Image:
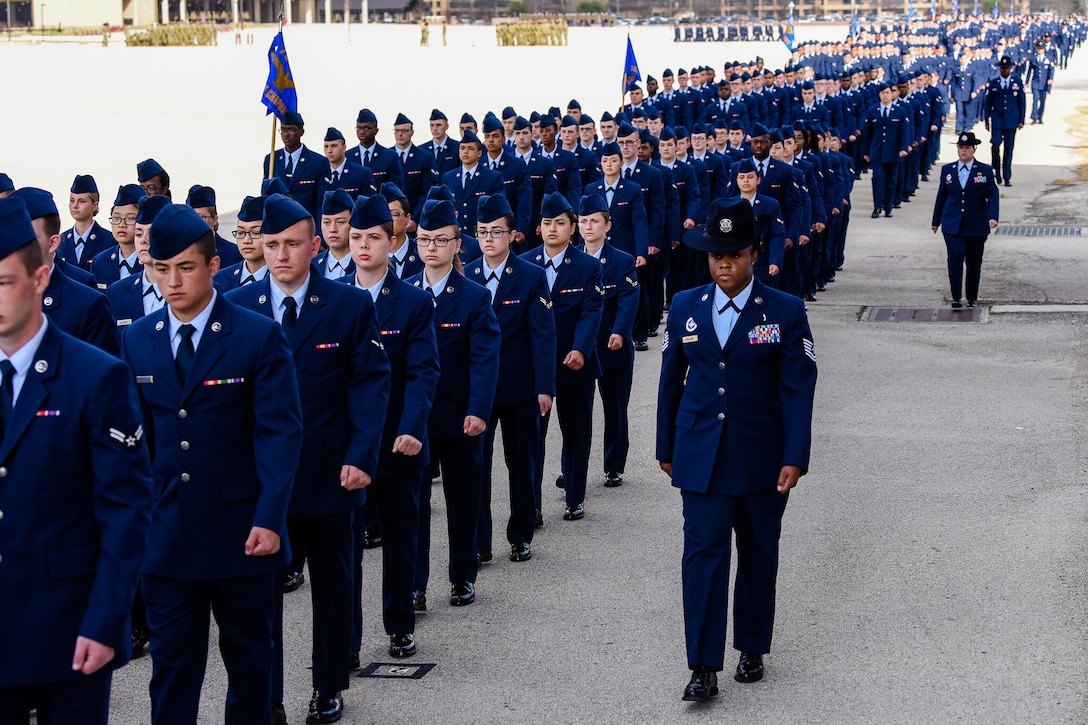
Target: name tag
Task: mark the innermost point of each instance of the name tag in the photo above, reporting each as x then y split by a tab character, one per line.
763	334
145	379
125	321
689	338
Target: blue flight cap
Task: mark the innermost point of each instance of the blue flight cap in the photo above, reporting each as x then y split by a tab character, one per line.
553	205
681	72
252	209
437	115
592	204
734	77
493	207
521	123
610	149
621	117
38	202
6	184
574	105
808	86
639	113
177	227
730	227
667	134
736	125
437	215
509	112
439	192
534	117
401	120
568	121
667	73
280	212
680	131
16	229
470	137
129	194
84	185
333	134
366	116
147	170
547	121
555	113
745	76
336	201
467	118
200	196
606	116
650	78
150	206
747	166
721	123
272	186
492	124
644	136
585	120
776	136
653	114
778	72
293	118
370	212
391	192
625	130
760	130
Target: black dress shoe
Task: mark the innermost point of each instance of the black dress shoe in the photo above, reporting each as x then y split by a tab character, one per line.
419	601
641	345
372	539
560	481
139	642
279	715
972	303
888	214
574	513
810	297
354	663
520	552
291	581
401	645
821	288
462	593
749	669
925	177
876	214
956	304
611	480
1008	183
325	707
652	332
539	519
703	685
485	556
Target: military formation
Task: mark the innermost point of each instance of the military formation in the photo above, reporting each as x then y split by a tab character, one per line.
268	407
722	33
532	30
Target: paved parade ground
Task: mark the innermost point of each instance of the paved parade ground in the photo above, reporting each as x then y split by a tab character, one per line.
933	560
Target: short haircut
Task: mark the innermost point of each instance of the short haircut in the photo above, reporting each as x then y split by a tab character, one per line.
205	246
403	201
30	254
51	224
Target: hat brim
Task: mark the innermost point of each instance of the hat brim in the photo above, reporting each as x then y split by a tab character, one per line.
977	142
696	238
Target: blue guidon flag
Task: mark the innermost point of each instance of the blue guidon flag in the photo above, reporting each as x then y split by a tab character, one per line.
631	73
279	90
789	34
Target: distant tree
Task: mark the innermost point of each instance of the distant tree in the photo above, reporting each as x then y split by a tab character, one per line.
517	7
590	6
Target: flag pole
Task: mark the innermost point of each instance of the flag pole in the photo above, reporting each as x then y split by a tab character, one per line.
272	153
623	84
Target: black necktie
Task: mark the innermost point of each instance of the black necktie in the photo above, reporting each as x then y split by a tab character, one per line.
366	159
290	317
79	249
492	276
550	263
335	176
126	265
6	395
727	305
438	152
246	281
151	291
627	173
183	360
610	192
290	167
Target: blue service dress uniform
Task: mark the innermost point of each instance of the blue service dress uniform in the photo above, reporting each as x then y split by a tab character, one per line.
126	298
354	179
406	262
383	164
963	211
420	174
577	297
107	265
73	272
302	181
517	188
1006	108
405	316
717	403
237	275
887	131
1040	77
630	232
446	158
225	445
466	194
772	236
617	366
343	384
96	239
81	312
468	338
568	174
74	526
522	305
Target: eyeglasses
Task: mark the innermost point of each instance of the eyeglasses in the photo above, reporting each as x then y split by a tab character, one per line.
151	189
632	142
439	242
254	235
206	217
397	214
493	233
119	221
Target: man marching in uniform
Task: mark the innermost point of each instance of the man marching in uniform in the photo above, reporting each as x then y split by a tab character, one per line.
734	429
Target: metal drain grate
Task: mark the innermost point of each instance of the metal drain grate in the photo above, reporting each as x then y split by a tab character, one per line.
1039	231
923	314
